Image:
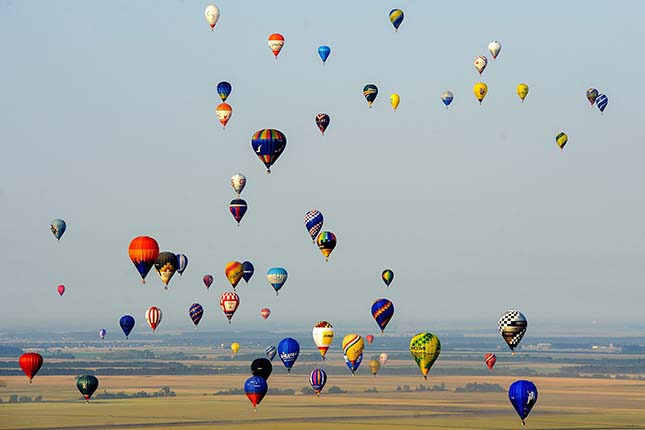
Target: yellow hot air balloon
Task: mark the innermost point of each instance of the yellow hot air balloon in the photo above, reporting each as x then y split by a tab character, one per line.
375	365
561	139
394	101
353	347
235	347
233	271
522	91
480	89
425	348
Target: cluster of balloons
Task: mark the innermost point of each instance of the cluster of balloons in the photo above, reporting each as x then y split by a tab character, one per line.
326	240
238	206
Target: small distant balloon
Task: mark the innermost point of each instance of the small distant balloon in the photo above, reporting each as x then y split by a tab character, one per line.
601	102
166	265
212	15
480	89
127	324
87	385
382	311
561	139
522	91
234	272
592	94
270	351
318	379
446	98
224	90
314	222
238	208
396	18
208	281
375	365
153	317
480	64
183	263
196	311
265	312
395	99
277	276
102	333
58	227
323	52
268	145
322	121
490	360
235	347
229	302
224	111
276	42
369	338
238	182
247	271
61	290
370	91
261	367
326	242
382	358
494	47
387	276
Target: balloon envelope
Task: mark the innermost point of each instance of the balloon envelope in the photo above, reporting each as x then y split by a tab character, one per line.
270	351
238	208
370	91
490	360
268	145
494	47
276	42
143	252
480	89
247	271
480	63
30	363
183	263
235	347
375	365
326	242
323	52
224	90
323	334
153	317
314	222
265	312
322	121
224	111
318	379
601	102
523	396
229	302
425	349
61	290
396	18
447	97
166	265
522	91
369	338
196	311
102	333
353	347
87	385
288	351
561	139
58	227
127	324
233	271
512	326
238	182
395	99
261	367
382	358
387	276
212	15
255	389
382	312
277	276
592	94
208	280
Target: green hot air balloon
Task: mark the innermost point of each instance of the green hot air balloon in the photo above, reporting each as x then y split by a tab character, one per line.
87	385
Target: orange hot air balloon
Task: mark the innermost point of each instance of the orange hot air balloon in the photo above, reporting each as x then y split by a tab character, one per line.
234	271
369	339
224	112
490	360
276	42
30	363
143	252
265	312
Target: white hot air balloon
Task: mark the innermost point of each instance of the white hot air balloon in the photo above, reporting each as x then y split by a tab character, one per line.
212	15
238	182
480	63
494	47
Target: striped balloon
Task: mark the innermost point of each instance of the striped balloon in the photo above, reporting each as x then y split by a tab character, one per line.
318	379
268	145
183	263
314	222
382	311
229	302
238	208
396	18
270	351
196	311
153	316
601	102
490	360
326	242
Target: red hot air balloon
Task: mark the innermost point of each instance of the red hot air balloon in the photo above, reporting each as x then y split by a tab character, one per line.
490	360
229	303
276	42
143	252
61	290
208	280
265	312
153	316
370	338
30	363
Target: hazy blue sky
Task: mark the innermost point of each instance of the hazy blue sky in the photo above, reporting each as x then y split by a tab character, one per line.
108	121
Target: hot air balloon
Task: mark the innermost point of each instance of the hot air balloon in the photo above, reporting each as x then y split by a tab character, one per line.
313	223
370	91
326	242
183	263
382	358
30	363
322	121
238	182
224	111
153	317
270	351
255	388
323	334
318	379
58	227
247	271
235	347
425	348
375	365
561	139
277	276
369	338
276	42
494	47
212	15
233	271
480	63
196	311
288	351
323	52
265	312
396	18
229	302
490	360
102	333
238	209
268	145
395	99
382	311
61	290
261	367
523	396
208	281
143	252
446	98
353	347
224	90
387	276
127	324
87	385
166	265
592	95
522	91
512	326
480	89
601	102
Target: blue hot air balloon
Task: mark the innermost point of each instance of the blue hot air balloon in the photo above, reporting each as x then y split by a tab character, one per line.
318	379
396	18
324	52
196	311
270	352
247	271
183	263
127	324
268	145
382	311
223	90
277	276
601	102
447	97
314	222
288	351
58	227
523	396
102	333
255	388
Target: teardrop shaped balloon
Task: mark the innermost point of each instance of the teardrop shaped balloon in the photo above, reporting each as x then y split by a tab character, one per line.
396	18
353	347
153	317
58	227
288	351
238	182
490	360
255	389
317	380
233	271
265	312
143	252
247	271
229	302
592	94
322	121
446	98
270	351
102	333
480	89
382	311
277	276
87	385
494	47
235	347
326	242
208	281
382	358
212	15
375	365
261	367
196	311
370	91
323	334
561	139
183	263
166	265
224	90
395	99
480	63
387	276
127	324
268	144
512	326
425	349
30	363
276	42
601	102
369	338
522	91
224	111
238	208
523	395
323	52
61	290
314	222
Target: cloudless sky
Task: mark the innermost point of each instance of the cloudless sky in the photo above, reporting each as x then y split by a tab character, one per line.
107	120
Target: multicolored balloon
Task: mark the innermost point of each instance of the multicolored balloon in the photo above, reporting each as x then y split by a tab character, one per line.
490	360
592	94
561	139
276	42
480	89
375	365
382	311
61	290
224	111
102	333
480	63
326	242
323	52
153	317
183	263
288	351
196	311
387	276
353	347
425	349
270	351
30	363
268	144
127	324
322	121
314	222
523	395
265	312
395	99
277	276
238	208
58	227
212	15
512	326
494	47
229	302
247	271
224	90
370	91
166	265
318	379
601	102
208	281
255	389
522	91
87	385
143	252
447	97
323	334
238	182
396	18
234	272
